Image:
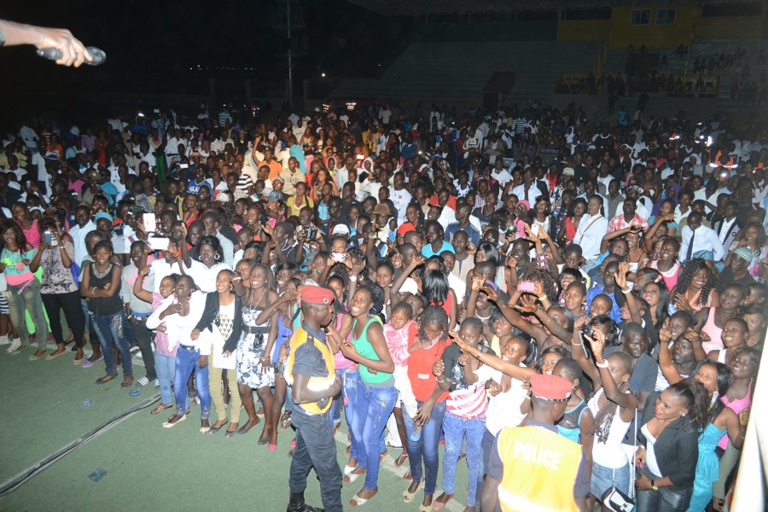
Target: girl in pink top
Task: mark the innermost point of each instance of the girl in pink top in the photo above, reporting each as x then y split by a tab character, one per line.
165	356
744	367
398	331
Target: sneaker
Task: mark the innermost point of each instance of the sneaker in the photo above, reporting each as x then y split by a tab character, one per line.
14	345
4	340
157	383
142	382
134	350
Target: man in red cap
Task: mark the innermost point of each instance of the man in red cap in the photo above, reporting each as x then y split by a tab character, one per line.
312	373
533	467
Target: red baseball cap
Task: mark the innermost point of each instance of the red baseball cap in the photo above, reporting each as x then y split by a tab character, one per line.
551	387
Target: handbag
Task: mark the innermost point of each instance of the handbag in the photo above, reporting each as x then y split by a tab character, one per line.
615	499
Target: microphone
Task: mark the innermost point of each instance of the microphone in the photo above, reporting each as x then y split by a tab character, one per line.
99	57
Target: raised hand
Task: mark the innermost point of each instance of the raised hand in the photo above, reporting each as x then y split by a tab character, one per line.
477	283
418	260
527	305
665	334
493	295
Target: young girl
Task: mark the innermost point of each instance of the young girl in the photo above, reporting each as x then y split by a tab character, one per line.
254	364
398	331
100	288
165	354
696	287
220	322
756	318
735	334
666	263
426	348
178	314
578	420
614	409
23	288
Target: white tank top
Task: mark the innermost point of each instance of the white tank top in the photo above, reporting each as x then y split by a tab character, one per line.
609	454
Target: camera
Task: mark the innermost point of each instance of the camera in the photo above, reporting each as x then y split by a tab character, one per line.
587	330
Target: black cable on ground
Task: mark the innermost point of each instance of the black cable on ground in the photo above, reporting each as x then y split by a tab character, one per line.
26	475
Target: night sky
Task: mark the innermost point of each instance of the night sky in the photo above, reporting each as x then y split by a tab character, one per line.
152	45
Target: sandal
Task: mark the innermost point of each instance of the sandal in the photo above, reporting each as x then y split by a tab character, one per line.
106	379
127	382
160	408
408	495
168	424
285	421
351	477
88	363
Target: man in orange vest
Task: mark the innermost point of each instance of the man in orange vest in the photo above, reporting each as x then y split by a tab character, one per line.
312	373
532	467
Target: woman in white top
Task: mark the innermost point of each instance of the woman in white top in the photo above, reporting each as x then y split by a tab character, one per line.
592	229
610	466
178	315
210	262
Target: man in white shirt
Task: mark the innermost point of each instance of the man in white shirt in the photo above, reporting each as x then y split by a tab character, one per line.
500	174
399	196
728	227
78	232
592	228
528	191
697	237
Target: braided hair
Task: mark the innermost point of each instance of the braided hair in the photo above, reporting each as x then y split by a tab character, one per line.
544	277
686	276
377	297
604	417
434	315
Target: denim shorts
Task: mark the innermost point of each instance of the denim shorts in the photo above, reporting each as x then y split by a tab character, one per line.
604	478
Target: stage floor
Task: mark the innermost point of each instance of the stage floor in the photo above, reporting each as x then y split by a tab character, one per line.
148	467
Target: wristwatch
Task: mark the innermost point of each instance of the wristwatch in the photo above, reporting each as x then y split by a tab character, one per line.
653	486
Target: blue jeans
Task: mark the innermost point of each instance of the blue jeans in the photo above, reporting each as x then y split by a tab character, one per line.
352	392
455	428
109	329
166	370
426	446
338	404
186	363
371	413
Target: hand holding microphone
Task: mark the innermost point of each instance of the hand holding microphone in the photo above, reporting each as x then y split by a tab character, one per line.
53	43
97	56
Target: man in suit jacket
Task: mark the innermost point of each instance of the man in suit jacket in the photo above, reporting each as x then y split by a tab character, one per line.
728	227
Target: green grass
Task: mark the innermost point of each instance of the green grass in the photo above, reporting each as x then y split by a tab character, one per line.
149	468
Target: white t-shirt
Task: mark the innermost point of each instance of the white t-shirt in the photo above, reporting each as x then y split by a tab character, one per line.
504	408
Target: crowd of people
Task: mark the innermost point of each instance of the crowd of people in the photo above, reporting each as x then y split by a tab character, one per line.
573	329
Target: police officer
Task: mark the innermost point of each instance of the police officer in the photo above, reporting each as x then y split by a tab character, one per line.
312	373
531	466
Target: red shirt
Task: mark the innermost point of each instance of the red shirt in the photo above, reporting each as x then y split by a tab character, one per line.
420	365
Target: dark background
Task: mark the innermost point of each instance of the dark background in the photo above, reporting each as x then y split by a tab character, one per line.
151	46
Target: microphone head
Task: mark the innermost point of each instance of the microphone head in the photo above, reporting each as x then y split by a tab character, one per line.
99	56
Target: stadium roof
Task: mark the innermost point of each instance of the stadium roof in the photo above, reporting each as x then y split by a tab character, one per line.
416	7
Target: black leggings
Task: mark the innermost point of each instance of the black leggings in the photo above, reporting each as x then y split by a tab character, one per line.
69	303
